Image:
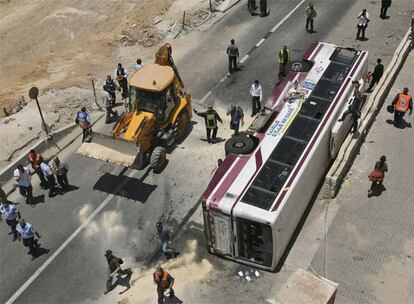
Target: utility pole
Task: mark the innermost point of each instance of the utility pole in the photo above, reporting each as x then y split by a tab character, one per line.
33	94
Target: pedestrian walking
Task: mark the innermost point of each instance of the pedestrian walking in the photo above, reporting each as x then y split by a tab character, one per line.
353	108
233	53
28	233
401	104
377	176
251	6
51	181
257	95
138	65
84	122
210	117
310	15
236	117
165	283
263	8
164	235
110	88
114	269
284	59
60	169
23	178
35	159
122	77
376	76
385	5
12	215
363	19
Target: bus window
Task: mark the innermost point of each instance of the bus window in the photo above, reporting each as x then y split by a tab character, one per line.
255	242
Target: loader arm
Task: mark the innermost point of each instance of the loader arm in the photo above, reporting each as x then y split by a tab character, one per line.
164	57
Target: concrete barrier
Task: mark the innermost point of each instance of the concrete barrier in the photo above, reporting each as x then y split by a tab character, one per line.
226	5
49	147
350	147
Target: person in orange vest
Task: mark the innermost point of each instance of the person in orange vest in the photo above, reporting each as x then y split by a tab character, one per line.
35	159
401	103
164	282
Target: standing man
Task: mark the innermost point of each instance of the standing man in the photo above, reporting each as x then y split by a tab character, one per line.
12	215
121	76
60	169
385	4
138	66
165	283
27	233
284	59
110	87
376	76
263	8
353	108
164	235
114	269
22	177
310	15
84	122
210	117
48	172
35	159
257	94
401	103
363	19
251	6
233	53
237	116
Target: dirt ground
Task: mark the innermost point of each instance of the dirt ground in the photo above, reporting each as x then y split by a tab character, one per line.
60	45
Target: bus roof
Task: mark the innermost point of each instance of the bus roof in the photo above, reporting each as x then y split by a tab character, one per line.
259	178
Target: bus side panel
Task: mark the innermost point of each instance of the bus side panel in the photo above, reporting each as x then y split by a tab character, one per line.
303	189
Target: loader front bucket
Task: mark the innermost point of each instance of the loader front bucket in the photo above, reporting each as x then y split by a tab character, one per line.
110	149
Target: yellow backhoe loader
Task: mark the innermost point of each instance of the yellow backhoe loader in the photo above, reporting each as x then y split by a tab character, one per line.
161	116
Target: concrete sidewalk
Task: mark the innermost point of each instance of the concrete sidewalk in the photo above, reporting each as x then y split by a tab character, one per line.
370	244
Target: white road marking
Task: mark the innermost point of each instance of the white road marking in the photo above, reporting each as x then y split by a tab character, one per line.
260	42
205	96
42	268
287	16
244	58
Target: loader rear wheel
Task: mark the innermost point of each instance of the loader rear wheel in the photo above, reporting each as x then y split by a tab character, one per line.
158	157
183	126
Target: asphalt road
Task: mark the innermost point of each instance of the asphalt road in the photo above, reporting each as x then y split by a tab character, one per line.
127	219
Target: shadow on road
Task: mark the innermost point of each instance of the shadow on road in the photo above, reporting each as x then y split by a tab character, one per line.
134	189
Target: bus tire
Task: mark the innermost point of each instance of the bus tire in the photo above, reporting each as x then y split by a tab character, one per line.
240	144
299	66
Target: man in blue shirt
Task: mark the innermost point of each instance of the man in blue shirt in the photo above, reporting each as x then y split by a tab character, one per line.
237	116
84	121
27	233
11	214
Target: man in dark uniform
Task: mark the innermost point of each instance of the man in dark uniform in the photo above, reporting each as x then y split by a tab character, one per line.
376	76
233	53
284	58
110	87
385	4
210	117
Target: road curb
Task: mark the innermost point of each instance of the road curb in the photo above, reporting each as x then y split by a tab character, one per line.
226	5
350	147
49	146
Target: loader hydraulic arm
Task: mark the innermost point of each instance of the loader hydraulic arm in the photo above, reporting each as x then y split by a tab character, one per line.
164	57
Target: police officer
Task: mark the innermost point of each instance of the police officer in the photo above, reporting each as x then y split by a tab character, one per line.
401	104
165	283
23	178
27	233
284	58
12	215
114	269
210	117
48	172
121	76
84	121
110	87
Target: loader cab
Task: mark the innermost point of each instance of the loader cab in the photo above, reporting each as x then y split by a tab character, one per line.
152	89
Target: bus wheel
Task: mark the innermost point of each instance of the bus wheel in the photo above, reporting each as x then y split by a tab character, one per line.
299	66
240	144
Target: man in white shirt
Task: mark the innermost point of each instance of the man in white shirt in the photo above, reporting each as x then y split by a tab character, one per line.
11	214
27	233
363	19
48	173
257	95
22	177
